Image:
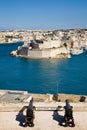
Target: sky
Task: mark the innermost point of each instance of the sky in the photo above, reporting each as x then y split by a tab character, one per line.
43	14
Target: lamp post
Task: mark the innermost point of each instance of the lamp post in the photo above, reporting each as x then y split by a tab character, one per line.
57	87
57	91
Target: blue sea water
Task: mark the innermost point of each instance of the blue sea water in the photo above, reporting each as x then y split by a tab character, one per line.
43	75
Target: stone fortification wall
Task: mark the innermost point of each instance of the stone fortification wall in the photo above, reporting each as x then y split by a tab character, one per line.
70	97
35	54
46	53
63	50
50	44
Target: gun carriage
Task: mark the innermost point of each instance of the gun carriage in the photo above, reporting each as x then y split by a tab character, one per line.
68	117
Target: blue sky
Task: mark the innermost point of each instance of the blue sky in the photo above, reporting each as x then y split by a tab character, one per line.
43	14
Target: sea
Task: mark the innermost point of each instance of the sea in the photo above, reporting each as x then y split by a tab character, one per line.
44	76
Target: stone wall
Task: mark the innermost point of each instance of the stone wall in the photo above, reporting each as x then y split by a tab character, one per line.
70	97
46	53
35	54
50	44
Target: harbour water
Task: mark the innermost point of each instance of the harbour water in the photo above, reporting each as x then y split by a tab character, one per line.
43	75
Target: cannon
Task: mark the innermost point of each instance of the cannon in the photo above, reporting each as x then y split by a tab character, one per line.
68	117
29	119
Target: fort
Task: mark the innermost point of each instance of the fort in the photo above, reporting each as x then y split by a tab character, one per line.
47	43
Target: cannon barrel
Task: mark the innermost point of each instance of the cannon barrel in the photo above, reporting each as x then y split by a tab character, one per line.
30	106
